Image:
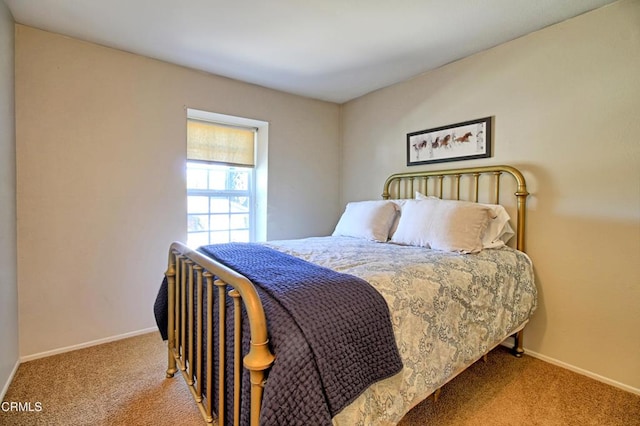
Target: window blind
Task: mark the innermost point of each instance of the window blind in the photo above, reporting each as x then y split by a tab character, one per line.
218	143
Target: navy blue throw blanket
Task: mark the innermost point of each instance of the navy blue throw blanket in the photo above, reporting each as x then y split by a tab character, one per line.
331	333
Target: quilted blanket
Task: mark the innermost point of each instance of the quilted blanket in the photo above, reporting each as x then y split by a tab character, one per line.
331	333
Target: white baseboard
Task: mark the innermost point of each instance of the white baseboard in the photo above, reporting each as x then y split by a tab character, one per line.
509	343
5	388
86	344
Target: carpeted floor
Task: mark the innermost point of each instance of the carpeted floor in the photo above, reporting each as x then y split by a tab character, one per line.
123	383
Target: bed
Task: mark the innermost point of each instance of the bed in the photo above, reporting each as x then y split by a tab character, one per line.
442	287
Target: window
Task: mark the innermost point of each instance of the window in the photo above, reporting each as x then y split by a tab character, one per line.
219	203
220	183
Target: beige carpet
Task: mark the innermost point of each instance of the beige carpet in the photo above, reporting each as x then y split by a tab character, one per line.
122	383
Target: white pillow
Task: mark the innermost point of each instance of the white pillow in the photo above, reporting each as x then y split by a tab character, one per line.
447	225
399	203
416	220
370	220
421	196
498	232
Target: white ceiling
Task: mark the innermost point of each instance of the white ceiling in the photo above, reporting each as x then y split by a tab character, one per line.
333	50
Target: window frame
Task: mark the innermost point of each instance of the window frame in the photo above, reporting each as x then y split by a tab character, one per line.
261	168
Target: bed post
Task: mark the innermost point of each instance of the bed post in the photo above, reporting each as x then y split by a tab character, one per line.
257	361
518	349
171	332
521	197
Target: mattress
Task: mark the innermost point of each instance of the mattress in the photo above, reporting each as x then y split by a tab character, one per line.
447	311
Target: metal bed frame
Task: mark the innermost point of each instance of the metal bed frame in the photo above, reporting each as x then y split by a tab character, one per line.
194	277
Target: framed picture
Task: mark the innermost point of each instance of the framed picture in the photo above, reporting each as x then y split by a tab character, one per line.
455	142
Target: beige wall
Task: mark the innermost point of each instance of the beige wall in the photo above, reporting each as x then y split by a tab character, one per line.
100	137
8	288
566	102
101	190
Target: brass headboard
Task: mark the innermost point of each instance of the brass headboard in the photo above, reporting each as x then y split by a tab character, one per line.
477	184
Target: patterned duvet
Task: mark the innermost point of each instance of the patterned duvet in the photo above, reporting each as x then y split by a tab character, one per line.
447	311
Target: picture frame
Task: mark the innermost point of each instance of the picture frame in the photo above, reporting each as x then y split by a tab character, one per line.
455	142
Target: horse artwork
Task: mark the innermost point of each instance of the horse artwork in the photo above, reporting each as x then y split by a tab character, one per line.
461	141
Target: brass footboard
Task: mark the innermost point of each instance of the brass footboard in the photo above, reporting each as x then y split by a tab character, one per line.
189	276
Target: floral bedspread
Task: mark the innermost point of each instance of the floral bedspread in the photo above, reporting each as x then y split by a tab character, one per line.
447	311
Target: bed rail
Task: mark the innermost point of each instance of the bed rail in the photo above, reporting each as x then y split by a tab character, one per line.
189	275
404	185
